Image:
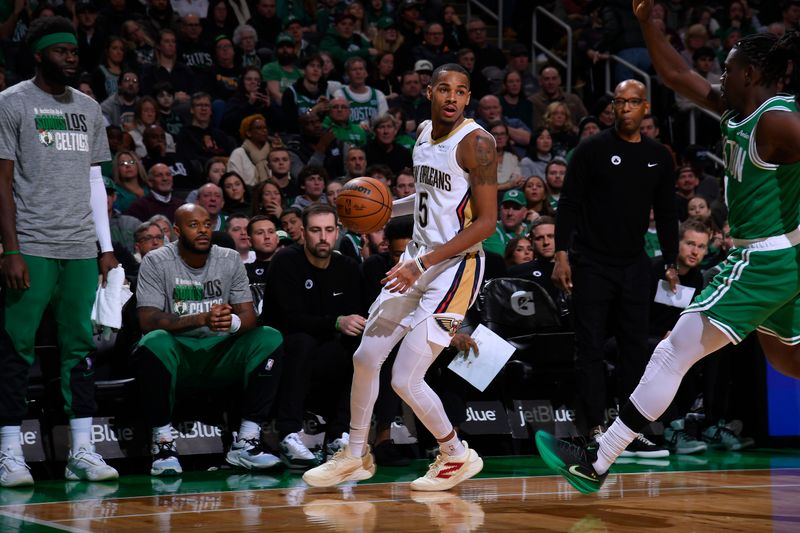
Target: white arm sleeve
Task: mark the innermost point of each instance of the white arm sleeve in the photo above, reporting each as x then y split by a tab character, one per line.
99	202
403	206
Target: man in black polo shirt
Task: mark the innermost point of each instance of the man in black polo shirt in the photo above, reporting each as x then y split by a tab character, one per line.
612	181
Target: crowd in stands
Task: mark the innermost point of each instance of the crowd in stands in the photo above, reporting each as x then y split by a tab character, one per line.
258	109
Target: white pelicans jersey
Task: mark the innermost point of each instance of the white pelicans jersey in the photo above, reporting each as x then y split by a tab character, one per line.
443	204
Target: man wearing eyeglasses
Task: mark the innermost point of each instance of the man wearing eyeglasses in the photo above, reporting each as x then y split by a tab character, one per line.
148	236
118	108
603	213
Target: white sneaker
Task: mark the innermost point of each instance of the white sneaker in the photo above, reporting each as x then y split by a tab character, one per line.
13	471
449	470
295	454
87	464
165	459
340	468
336	445
250	454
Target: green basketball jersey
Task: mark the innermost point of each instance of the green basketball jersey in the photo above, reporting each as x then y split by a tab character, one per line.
763	199
362	111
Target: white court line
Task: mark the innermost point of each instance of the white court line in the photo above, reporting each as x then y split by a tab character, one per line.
45	523
180	494
396	500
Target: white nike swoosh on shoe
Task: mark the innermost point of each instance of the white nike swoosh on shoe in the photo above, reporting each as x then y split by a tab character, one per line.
574	470
651	165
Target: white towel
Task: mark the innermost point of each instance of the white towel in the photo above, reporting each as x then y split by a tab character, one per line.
107	308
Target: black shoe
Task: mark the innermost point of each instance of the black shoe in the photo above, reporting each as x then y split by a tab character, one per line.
644	447
387	453
571	461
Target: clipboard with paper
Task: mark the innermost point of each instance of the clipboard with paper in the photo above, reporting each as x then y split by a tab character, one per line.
480	369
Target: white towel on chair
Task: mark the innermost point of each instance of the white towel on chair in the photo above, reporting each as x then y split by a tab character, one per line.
108	302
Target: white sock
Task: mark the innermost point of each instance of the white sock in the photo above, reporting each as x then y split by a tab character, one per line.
81	429
162	433
249	429
9	440
452	446
612	443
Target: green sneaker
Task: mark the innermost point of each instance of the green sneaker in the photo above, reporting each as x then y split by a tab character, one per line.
679	440
571	461
726	436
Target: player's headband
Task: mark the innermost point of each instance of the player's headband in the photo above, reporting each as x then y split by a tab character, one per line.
55	38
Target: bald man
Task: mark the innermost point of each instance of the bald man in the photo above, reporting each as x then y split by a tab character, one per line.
612	180
196	312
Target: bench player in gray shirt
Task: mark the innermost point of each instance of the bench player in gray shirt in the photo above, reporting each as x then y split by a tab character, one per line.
52	210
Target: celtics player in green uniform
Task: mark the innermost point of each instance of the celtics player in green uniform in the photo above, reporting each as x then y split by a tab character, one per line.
53	210
758	288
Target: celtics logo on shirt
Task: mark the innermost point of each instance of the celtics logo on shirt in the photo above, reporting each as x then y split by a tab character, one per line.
46	138
67	132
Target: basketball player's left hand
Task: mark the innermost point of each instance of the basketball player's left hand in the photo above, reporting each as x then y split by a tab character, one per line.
401	277
108	261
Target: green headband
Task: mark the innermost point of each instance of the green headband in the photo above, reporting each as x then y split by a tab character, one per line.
55	38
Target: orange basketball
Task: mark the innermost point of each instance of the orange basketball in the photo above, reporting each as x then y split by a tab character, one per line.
364	205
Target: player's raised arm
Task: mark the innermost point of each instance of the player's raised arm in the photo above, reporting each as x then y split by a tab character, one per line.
671	67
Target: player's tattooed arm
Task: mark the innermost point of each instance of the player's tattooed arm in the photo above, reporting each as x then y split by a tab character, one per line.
483	168
151	318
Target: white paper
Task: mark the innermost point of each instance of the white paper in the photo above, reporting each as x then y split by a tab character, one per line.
680	299
493	353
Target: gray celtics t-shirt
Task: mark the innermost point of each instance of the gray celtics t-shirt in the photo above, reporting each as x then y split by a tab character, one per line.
53	141
170	285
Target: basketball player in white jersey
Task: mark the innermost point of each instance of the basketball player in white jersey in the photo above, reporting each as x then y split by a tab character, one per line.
426	295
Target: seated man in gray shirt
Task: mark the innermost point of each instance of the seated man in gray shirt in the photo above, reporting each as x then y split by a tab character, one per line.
196	311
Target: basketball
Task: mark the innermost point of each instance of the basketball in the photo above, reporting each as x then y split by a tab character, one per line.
364	205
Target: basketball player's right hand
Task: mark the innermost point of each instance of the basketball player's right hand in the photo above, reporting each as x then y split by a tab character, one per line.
642	9
352	325
401	277
15	273
219	318
562	273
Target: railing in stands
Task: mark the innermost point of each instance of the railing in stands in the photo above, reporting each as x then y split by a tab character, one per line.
537	46
646	78
693	125
497	17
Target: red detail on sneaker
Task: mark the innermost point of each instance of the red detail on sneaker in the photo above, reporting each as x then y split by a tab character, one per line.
449	469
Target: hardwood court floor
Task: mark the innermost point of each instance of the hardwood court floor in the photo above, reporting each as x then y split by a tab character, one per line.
749	491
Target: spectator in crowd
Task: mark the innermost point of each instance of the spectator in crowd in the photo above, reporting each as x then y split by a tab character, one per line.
211	198
266	22
309	93
49	248
317	302
283	72
159	15
365	102
600	249
294	27
219	20
537	196
489	110
252	98
130	179
409	22
685	186
148	236
193	49
223	78
383	78
146	114
455	34
511	224
92	38
383	149
280	166
479	84
433	47
404	183
235	194
118	108
200	140
554	173
790	14
263	233
558	121
122	226
551	91
202	338
245	39
167	116
412	101
315	145
167	67
513	99
650	128
332	190
540	153
160	200
267	200
311	181
338	122
696	38
292	223
540	269
185	173
342	42
519	61
355	164
165	225
588	126
250	159
388	39
486	54
519	250
236	228
508	172
105	76
138	42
